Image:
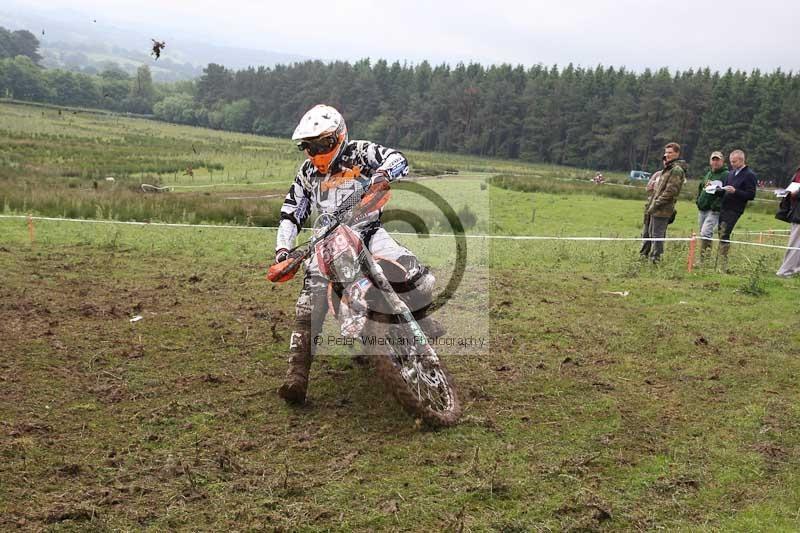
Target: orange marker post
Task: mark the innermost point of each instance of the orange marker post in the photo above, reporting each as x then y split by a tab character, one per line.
692	245
31	232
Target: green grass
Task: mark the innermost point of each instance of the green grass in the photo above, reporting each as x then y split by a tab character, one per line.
571	183
675	407
55	164
607	404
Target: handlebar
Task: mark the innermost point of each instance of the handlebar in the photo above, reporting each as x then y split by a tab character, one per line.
371	199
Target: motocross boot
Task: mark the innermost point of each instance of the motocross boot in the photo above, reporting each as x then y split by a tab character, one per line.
295	385
310	313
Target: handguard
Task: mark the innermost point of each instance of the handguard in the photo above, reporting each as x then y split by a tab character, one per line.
376	197
286	269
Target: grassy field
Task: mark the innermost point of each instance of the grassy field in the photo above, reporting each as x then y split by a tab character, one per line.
674	407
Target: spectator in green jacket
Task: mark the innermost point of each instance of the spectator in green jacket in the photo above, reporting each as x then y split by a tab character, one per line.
661	207
709	204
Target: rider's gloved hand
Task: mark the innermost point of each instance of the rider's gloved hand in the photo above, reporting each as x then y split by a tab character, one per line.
375	194
379	177
281	254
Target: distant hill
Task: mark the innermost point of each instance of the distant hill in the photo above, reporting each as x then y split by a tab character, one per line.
71	40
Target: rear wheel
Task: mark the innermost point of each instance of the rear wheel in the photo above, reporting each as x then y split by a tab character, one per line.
420	383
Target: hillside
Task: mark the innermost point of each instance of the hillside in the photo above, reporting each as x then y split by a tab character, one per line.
77	41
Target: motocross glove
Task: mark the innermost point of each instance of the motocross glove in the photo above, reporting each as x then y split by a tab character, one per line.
282	254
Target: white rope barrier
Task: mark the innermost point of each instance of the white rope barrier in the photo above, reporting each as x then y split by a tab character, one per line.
135	223
423	235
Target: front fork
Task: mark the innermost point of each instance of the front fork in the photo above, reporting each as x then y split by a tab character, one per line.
397	304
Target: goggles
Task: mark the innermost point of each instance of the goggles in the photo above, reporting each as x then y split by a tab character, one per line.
320	145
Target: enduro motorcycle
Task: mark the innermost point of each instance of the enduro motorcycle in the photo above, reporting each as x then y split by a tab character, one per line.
361	296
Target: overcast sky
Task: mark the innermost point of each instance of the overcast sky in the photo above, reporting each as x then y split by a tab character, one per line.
632	33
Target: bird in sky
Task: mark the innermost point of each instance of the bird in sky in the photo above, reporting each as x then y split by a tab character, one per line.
158	46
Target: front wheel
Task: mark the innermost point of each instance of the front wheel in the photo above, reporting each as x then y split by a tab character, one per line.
421	384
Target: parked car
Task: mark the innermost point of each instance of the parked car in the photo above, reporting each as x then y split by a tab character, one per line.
639	175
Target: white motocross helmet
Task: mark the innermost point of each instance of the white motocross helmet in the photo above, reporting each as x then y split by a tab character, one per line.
322	134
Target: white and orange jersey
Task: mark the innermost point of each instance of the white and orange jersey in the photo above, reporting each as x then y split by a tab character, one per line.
323	193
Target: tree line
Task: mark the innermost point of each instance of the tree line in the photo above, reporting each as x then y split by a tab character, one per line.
113	89
600	118
595	117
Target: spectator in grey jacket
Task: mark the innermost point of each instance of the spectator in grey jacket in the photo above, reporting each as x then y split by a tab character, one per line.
708	204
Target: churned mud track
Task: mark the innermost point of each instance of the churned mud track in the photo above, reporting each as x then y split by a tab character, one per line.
121	421
583	415
89	398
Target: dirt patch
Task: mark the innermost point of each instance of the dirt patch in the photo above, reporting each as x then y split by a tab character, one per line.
77	514
30	428
771	452
585	516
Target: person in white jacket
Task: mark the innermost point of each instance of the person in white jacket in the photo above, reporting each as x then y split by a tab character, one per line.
327	177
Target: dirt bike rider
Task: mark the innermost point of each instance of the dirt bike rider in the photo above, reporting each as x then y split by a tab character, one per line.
323	181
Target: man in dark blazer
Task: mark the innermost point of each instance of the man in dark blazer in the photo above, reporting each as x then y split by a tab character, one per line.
740	188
